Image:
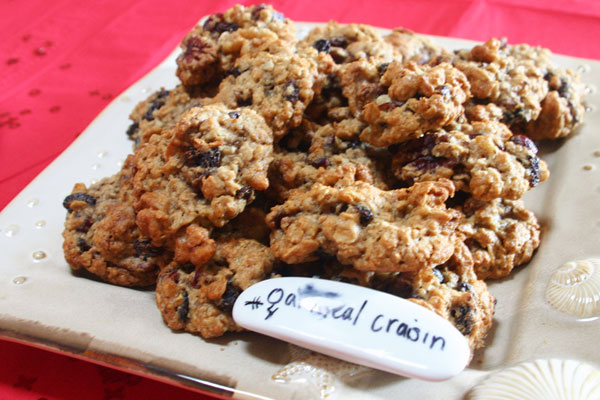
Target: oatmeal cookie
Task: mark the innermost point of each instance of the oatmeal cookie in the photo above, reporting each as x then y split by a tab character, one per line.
562	108
363	226
415	99
160	111
203	171
482	158
511	78
335	157
410	46
345	43
102	238
501	234
453	291
211	49
276	86
200	299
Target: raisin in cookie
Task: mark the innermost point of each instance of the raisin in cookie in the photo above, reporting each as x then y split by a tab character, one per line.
415	99
101	236
211	49
363	226
482	158
501	234
203	171
200	299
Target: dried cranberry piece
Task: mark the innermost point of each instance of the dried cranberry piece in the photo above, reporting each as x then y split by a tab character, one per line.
340	208
244	102
82	245
86	225
206	159
194	47
323	255
390	105
216	24
291	92
524	141
229	297
339	41
256	11
89	199
463	318
155	104
244	193
381	68
320	162
322	45
143	248
428	162
132	130
184	308
365	214
563	90
510	117
188	268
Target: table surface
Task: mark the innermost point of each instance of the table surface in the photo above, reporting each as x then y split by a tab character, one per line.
62	62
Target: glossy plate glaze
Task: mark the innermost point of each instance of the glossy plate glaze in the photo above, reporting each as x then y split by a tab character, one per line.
42	303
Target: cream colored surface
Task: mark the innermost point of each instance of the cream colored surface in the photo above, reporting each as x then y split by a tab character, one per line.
54	307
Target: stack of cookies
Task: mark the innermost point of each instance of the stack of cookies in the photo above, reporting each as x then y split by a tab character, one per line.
379	160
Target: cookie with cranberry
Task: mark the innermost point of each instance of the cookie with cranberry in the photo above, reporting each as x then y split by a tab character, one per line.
413	100
102	238
278	87
366	227
482	158
501	234
211	49
199	299
203	171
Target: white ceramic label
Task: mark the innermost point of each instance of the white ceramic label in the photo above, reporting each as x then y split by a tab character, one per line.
355	324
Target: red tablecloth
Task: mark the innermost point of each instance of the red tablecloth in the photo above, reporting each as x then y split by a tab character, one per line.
62	61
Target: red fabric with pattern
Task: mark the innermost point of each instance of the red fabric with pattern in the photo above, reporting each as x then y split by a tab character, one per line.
63	61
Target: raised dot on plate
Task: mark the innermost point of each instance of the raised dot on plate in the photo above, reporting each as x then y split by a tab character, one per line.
93	181
38	255
574	288
590	108
541	379
40	224
96	166
146	90
590	89
120	163
12	230
597	153
33	202
125	99
588	167
102	154
583	68
19	280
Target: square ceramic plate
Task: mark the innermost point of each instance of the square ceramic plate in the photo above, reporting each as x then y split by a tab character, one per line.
43	304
